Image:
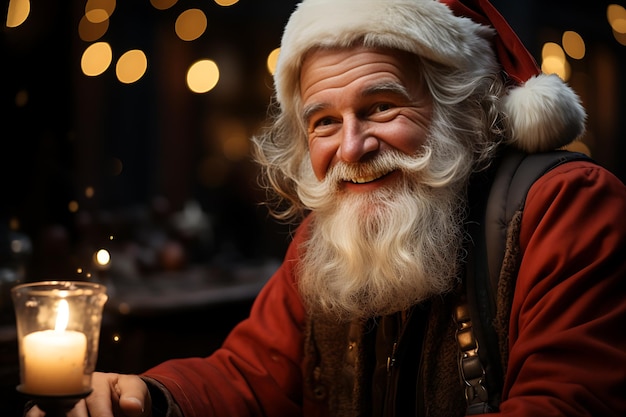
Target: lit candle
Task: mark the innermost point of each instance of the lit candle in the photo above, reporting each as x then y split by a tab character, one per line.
54	360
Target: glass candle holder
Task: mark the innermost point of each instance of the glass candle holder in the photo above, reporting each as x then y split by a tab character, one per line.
58	330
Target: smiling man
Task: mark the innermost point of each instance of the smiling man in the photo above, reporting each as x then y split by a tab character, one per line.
391	119
373	185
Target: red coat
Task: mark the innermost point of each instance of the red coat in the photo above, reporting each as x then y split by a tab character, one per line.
567	330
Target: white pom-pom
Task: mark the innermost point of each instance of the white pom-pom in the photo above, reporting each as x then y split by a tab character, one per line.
544	114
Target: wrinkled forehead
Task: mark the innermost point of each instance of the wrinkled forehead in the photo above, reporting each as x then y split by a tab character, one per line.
325	64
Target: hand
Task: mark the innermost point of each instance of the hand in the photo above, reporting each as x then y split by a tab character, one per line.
114	395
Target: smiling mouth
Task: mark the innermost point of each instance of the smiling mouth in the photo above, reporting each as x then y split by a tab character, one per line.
369	178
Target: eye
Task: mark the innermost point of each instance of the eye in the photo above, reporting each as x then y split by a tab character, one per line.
322	122
381	107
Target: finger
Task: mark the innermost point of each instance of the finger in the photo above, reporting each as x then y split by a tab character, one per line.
100	401
134	396
34	412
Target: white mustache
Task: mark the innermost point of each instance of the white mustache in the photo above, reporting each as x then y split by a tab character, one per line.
368	171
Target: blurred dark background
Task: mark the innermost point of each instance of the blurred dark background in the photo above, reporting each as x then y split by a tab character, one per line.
160	177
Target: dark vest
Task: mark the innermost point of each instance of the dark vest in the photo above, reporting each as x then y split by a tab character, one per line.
400	366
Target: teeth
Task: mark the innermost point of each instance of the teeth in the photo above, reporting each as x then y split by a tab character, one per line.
370	178
363	180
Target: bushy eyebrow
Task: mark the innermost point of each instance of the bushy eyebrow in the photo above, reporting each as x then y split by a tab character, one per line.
310	110
388	87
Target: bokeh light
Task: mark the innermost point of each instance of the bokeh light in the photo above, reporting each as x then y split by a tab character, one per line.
131	66
616	15
190	24
102	257
554	61
97	11
226	2
96	59
163	4
115	167
17	12
72	206
272	59
89	31
573	44
203	76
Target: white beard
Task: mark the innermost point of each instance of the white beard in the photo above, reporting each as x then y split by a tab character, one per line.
373	254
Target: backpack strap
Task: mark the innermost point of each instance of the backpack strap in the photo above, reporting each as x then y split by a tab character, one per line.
516	173
508	185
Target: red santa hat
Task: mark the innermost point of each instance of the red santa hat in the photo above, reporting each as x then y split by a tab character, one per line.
544	112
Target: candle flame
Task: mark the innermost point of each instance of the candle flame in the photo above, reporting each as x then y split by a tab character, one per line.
63	316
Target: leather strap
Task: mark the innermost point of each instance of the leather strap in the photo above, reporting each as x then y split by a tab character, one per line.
471	370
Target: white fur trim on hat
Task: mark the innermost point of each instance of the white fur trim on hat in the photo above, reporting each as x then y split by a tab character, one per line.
424	27
544	112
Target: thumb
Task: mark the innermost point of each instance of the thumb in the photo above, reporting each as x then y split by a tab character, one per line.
134	397
132	406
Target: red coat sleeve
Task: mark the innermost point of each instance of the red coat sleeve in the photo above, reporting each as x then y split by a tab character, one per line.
257	371
568	319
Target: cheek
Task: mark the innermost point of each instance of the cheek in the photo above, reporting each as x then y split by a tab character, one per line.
406	137
322	154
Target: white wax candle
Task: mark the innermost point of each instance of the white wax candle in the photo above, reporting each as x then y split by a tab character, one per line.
54	362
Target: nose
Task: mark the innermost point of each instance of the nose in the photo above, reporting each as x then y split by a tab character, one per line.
356	141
